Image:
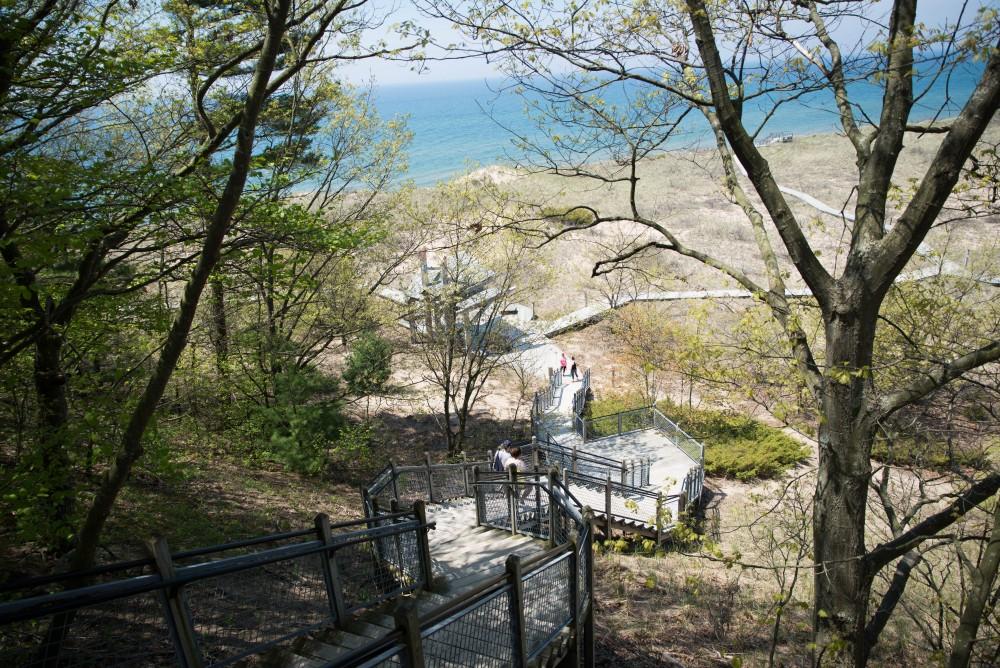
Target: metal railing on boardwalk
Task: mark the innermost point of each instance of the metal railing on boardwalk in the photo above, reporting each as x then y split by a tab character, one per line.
544	399
513	618
547	452
202	609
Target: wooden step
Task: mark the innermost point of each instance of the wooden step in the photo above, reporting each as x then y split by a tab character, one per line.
345	639
321	650
364	628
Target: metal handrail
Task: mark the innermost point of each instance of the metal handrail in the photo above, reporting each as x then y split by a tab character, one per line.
570	458
120	566
172	582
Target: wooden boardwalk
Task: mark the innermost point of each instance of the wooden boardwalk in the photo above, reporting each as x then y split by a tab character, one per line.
669	464
463	554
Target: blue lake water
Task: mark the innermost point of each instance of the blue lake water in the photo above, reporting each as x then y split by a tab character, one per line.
461	125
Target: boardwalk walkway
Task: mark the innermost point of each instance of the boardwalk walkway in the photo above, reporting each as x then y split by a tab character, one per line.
464	554
669	464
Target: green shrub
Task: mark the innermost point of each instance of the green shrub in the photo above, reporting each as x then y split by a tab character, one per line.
736	446
304	420
368	366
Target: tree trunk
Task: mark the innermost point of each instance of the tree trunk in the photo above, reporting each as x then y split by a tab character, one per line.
842	584
142	414
983	578
53	439
220	326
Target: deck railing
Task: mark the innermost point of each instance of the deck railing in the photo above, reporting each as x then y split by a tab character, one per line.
547	452
691	447
202	609
509	620
431	483
625	505
513	618
544	399
615	424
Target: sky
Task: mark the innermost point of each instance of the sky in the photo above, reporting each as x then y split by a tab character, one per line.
931	12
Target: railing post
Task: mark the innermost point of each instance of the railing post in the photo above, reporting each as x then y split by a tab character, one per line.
423	544
512	497
330	574
575	469
659	519
553	476
397	541
623	466
430	477
477	491
519	640
588	611
607	507
538	501
395	479
366	501
465	474
376	523
408	625
574	603
534	452
178	616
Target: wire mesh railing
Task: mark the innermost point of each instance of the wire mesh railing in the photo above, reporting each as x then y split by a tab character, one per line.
691	447
513	618
580	396
545	399
543	452
198	608
430	483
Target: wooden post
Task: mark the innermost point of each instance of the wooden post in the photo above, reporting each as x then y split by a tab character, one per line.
465	474
330	573
430	477
512	497
423	544
397	539
553	476
624	479
607	507
395	479
366	501
177	613
519	640
478	492
574	603
659	519
588	613
408	625
575	468
538	501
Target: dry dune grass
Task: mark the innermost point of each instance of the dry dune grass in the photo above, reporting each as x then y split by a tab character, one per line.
682	191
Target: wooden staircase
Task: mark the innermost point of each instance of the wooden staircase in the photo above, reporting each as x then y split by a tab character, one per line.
331	645
463	556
